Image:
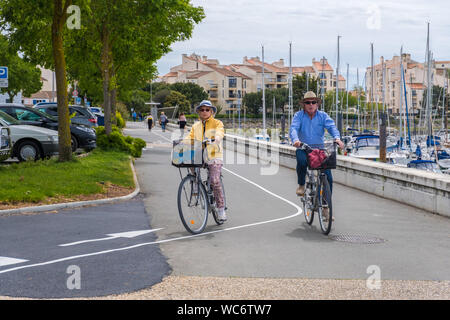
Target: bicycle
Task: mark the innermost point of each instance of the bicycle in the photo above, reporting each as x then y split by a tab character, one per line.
317	196
195	197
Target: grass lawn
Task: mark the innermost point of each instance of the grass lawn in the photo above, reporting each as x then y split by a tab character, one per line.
33	182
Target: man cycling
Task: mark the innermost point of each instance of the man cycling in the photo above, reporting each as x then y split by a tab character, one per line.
308	126
210	128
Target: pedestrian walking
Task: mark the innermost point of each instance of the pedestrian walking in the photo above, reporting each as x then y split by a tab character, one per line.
182	123
163	120
150	122
134	116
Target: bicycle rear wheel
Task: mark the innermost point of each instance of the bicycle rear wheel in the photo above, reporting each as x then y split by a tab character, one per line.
325	204
307	199
192	205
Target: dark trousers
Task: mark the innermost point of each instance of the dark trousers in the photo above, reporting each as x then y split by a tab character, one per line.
302	164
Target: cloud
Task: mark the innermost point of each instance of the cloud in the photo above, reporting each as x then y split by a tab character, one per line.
237	28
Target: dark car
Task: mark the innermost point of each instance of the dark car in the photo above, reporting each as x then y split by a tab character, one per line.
82	137
79	114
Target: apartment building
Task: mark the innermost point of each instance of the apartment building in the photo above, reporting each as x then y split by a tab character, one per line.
225	86
386	84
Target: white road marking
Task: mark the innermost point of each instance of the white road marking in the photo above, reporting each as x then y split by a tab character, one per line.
129	234
299	211
5	261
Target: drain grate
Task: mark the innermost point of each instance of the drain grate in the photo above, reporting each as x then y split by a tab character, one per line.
357	238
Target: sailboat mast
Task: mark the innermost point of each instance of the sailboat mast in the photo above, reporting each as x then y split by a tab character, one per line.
263	94
291	107
372	85
337	83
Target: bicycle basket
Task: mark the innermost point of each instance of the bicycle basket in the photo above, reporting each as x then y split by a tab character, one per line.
185	155
322	159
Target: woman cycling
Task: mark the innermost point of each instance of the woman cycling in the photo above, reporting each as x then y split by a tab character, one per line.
210	128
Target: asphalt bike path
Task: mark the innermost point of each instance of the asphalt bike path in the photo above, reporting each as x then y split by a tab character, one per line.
266	234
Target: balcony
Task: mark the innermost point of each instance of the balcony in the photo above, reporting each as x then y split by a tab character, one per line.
213	86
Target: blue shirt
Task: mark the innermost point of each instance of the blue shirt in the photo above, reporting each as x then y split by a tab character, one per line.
312	131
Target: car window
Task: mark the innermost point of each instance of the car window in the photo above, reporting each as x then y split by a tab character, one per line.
25	115
8	119
50	110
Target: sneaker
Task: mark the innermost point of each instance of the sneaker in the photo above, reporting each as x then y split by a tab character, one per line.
221	215
300	190
326	215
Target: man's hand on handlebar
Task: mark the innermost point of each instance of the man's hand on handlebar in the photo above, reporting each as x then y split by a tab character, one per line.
297	144
340	143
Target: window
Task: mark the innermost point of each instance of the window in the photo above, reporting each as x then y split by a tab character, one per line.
232	82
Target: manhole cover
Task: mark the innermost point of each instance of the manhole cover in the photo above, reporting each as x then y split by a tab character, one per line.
357	238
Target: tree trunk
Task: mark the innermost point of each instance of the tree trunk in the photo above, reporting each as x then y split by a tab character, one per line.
65	149
106	78
113	99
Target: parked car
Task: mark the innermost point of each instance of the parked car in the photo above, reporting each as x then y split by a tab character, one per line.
82	137
79	114
98	112
5	141
30	142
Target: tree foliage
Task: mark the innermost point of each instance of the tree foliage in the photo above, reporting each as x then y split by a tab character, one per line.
22	75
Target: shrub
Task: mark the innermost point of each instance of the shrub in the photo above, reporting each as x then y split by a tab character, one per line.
117	141
120	121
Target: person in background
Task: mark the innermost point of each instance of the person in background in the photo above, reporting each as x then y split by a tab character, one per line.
182	123
150	122
163	121
134	116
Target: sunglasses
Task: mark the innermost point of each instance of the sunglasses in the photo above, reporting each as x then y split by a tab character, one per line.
204	110
310	102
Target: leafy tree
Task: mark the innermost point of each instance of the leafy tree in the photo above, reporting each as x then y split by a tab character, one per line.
22	75
176	98
37	28
253	102
299	86
193	92
126	38
161	96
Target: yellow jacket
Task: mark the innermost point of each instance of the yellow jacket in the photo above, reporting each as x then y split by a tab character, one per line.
209	129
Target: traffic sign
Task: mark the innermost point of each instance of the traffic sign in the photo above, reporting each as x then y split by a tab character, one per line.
75	93
4	73
3	83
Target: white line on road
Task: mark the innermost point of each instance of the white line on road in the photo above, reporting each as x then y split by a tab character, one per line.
299	211
129	234
5	261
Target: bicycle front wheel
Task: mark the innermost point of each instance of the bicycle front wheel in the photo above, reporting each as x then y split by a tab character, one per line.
192	205
308	199
325	206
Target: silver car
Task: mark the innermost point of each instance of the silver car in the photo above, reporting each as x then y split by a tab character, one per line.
30	142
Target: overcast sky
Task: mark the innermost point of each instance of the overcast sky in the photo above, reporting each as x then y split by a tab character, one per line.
236	28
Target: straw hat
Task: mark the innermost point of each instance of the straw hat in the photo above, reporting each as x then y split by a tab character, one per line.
311	96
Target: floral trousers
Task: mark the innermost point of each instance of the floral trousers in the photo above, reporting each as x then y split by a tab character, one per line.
215	169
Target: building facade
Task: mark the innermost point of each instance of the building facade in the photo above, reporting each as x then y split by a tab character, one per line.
386	84
227	84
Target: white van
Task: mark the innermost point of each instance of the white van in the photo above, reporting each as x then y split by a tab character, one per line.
30	142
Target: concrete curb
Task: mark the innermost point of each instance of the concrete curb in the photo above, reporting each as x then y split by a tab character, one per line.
77	204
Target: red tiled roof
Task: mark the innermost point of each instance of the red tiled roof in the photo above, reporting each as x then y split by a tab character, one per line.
198	74
170	74
325	67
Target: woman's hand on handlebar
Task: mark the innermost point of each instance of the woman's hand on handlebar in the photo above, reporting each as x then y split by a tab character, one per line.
297	144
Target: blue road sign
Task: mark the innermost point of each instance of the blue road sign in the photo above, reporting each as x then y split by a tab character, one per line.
3	72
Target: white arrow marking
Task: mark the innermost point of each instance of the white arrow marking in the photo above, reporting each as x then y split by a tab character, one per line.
129	234
5	261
